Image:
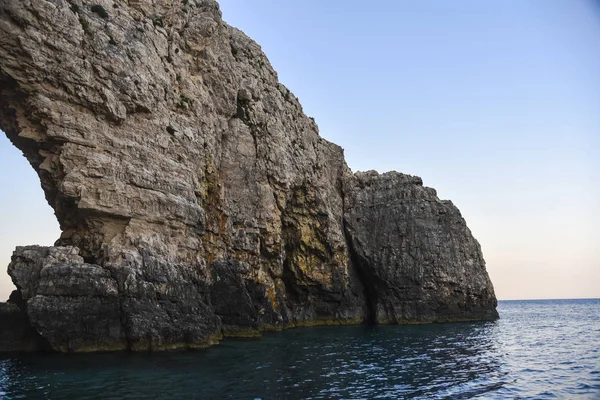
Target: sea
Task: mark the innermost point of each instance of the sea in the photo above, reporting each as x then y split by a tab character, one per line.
540	349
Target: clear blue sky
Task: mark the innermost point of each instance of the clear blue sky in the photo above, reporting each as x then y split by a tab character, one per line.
494	103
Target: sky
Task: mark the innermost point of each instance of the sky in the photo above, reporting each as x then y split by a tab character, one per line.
495	104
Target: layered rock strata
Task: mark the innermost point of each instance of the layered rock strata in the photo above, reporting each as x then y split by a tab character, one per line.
195	197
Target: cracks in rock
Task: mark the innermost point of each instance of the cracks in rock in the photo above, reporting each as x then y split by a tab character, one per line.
360	266
123	320
122	315
243	114
242	110
296	294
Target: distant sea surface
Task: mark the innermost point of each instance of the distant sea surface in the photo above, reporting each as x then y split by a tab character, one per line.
546	349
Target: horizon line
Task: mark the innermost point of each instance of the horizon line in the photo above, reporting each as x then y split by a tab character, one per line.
556	298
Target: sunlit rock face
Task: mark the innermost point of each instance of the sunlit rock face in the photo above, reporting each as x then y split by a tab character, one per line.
196	199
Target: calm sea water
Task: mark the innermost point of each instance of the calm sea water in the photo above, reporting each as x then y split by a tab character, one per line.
538	349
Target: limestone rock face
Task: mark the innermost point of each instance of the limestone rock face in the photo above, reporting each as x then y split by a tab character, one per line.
63	295
196	199
418	259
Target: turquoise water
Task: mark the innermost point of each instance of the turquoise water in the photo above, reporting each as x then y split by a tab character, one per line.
538	349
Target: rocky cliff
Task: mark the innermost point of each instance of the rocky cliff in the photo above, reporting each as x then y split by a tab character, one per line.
194	196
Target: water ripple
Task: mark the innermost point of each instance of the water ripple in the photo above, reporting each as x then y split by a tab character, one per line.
537	350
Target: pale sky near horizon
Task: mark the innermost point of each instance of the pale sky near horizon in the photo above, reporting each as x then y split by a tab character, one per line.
496	104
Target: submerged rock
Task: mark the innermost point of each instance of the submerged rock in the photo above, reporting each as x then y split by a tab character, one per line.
194	196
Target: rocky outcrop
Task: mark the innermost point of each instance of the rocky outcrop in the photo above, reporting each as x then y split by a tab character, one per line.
418	259
196	199
64	295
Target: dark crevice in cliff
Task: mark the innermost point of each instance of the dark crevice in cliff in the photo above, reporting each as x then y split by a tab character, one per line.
243	112
121	298
123	320
294	293
89	259
361	268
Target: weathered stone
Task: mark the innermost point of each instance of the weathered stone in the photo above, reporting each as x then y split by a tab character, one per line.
61	295
417	257
194	196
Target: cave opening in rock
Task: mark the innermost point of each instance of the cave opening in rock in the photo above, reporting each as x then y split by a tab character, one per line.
26	216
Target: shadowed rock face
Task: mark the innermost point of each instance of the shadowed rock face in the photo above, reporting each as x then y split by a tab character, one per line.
16	333
194	196
418	259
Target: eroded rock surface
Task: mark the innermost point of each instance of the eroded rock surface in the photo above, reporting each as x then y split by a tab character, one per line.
195	197
419	260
